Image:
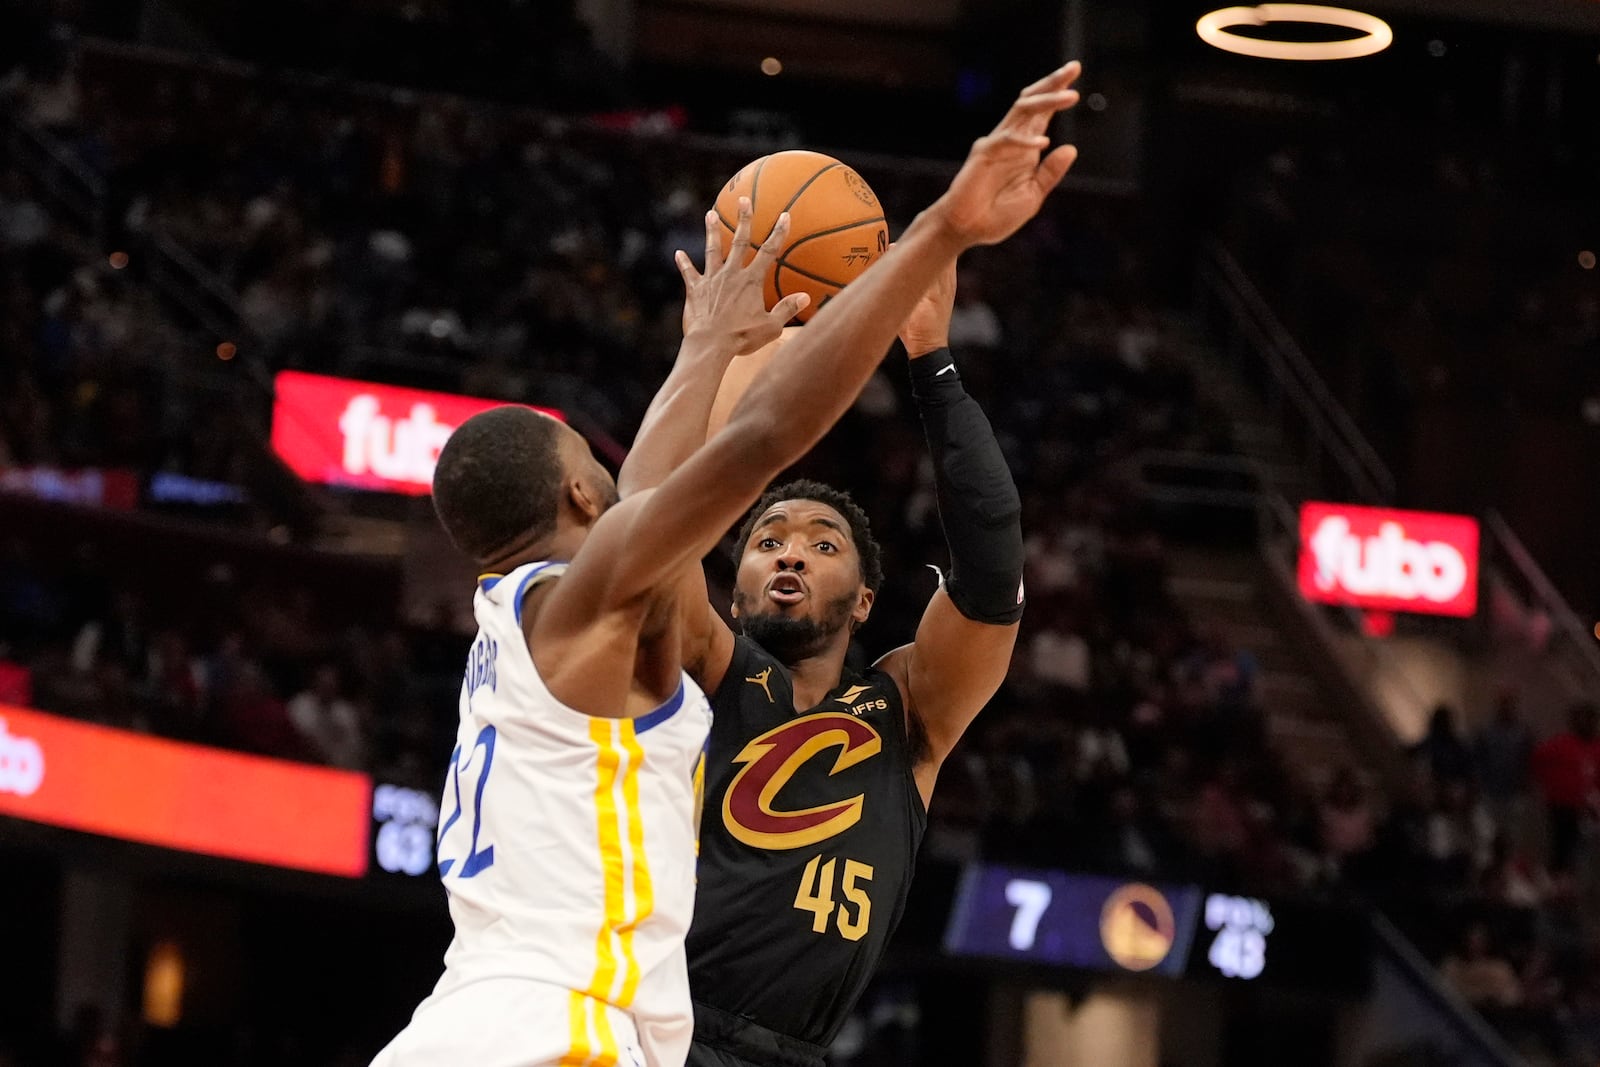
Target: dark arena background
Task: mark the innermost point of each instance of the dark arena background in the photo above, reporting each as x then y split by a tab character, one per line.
1298	374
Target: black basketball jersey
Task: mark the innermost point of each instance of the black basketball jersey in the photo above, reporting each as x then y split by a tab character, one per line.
807	845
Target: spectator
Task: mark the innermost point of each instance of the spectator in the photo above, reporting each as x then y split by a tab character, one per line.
1483	978
1221	827
973	323
1502	755
1129	840
120	636
1442	749
1459	835
255	720
1057	655
1567	769
327	723
1345	819
1514	880
174	686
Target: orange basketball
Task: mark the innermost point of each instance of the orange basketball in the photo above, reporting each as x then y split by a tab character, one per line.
836	226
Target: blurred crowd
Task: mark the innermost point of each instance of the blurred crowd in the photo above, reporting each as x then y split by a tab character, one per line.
1497	829
1446	290
425	242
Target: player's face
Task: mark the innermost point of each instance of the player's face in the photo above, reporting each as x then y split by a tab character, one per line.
583	467
799	582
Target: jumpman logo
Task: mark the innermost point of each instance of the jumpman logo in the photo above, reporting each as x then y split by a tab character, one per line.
760	678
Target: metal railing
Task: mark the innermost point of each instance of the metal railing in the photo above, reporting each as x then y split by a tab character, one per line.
1265	353
186	286
1261	348
72	184
1571	654
201	294
1411	1009
1362	661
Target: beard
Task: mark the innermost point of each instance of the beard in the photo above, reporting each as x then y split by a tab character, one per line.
791	639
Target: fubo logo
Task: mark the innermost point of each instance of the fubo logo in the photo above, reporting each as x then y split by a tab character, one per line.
401	449
1384	559
21	764
337	431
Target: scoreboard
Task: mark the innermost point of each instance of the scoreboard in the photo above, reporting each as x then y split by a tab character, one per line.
1012	915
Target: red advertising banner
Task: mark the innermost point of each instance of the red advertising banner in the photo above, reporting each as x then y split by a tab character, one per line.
1388	560
189	797
337	431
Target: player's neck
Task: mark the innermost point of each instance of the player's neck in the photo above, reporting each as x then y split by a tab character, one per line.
816	676
561	545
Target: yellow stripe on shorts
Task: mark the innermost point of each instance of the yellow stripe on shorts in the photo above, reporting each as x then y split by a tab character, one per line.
608	1054
580	1050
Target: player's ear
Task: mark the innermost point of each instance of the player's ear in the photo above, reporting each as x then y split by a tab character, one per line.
863	606
584	499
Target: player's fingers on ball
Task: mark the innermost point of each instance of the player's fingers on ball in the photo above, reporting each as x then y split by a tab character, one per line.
713	242
790	306
774	241
686	267
741	234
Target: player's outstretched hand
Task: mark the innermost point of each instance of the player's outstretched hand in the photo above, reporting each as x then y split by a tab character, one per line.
1004	180
727	302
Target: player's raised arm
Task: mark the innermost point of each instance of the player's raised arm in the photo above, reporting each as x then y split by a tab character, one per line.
724	316
1000	186
964	642
708	380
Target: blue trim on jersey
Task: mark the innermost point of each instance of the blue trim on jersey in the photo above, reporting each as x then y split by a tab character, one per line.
661	714
490	583
516	605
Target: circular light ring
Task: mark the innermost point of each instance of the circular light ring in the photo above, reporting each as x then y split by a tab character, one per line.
1215	29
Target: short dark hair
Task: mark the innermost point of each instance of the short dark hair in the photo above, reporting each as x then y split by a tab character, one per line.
498	481
808	489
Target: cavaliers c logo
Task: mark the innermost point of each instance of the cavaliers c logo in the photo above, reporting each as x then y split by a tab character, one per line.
772	759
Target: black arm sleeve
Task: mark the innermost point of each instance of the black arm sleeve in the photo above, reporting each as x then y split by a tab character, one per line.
978	502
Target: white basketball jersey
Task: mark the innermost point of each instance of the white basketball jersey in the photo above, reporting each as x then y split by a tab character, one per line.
567	842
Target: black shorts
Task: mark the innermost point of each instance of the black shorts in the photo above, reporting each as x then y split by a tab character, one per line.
722	1039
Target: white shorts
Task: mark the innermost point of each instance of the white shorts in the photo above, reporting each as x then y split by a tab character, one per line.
514	1022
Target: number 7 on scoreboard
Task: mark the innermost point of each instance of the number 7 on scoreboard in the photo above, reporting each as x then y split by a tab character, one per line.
1030	898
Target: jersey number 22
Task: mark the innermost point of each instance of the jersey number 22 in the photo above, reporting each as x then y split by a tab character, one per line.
476	861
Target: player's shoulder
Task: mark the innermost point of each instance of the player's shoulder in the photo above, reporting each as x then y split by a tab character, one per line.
745	650
509	592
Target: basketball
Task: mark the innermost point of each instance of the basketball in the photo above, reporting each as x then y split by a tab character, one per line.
836	223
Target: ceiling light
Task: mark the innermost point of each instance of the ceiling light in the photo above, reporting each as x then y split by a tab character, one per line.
1216	29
